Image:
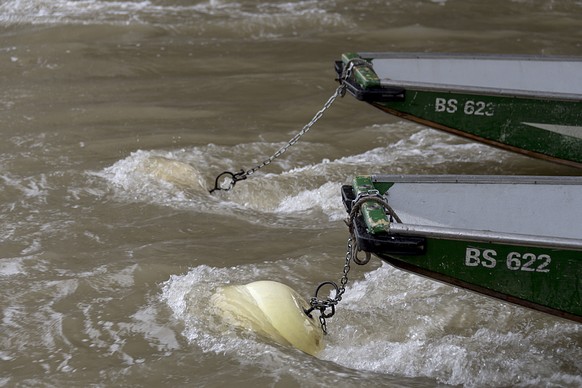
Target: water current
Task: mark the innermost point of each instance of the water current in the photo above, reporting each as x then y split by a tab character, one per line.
107	265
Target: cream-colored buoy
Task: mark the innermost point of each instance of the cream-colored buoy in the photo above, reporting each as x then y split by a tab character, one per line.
273	310
175	172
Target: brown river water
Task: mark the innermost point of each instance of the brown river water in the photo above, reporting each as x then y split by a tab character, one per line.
107	265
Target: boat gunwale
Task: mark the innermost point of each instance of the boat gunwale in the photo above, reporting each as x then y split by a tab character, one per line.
482	91
429	86
486	236
367	55
477	235
479	179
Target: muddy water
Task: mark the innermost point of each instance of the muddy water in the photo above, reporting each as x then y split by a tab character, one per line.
107	265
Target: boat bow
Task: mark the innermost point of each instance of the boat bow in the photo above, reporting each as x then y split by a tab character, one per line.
527	104
403	221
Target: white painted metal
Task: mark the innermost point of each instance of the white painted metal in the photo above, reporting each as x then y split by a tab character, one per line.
567	130
534	206
530	74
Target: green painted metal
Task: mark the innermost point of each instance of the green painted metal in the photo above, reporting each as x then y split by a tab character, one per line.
530	125
550	278
362	72
496	119
547	279
374	214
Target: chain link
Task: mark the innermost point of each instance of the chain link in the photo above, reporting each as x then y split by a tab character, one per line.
346	270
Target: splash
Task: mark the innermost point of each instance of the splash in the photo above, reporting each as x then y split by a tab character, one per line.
180	178
147	176
170	179
395	324
423	328
175	172
265	20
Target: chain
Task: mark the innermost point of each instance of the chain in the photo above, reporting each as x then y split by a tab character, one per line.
242	174
329	303
344	279
351	252
338	93
351	255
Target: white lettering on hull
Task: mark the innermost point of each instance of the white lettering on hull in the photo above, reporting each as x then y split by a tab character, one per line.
514	261
469	107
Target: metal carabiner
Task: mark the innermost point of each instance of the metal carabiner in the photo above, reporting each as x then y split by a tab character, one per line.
235	177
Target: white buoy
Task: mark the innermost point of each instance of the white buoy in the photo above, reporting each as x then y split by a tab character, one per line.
180	174
273	310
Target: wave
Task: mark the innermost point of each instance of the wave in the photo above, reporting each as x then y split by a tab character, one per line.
423	328
278	193
420	329
215	18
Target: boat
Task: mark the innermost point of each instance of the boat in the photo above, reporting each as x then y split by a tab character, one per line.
515	238
528	104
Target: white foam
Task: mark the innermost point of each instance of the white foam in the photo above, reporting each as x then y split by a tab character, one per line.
187	296
308	191
266	20
327	198
156	177
422	328
158	335
30	187
11	267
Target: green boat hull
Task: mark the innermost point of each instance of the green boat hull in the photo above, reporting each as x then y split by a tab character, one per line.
544	125
538	278
538	272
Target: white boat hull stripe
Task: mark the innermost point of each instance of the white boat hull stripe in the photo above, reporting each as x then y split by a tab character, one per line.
568	130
